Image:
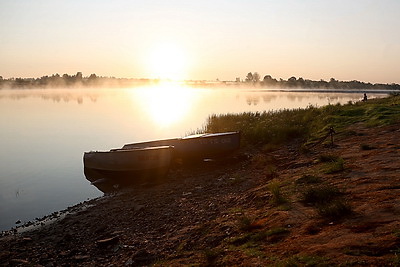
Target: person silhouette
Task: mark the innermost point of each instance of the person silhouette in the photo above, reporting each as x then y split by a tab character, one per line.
365	97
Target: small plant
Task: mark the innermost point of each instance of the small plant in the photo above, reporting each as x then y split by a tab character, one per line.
277	196
246	223
333	163
334	210
320	194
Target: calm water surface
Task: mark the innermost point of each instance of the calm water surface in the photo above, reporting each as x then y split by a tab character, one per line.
45	132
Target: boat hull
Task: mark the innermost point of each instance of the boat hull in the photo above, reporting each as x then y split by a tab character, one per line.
128	166
200	146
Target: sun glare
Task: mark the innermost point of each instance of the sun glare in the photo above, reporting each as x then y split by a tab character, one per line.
168	61
166	104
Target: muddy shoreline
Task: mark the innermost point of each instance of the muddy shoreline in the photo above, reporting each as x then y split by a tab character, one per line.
223	213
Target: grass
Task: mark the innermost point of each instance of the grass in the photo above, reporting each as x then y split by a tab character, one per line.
334	210
272	235
334	166
328	202
332	163
320	194
245	223
267	129
277	195
303	260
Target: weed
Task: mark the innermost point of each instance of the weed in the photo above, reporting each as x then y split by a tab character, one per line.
334	210
332	164
320	194
272	235
304	260
245	223
277	196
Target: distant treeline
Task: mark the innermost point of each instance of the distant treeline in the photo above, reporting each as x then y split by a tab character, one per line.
252	79
58	81
293	82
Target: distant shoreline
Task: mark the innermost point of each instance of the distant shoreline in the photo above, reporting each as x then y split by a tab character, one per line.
252	80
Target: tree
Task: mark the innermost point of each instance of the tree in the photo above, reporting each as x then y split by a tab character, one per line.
92	77
249	77
256	77
78	76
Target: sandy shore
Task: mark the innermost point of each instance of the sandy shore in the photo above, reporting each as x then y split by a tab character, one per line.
224	213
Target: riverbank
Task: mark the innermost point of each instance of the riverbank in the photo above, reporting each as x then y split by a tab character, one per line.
258	209
291	196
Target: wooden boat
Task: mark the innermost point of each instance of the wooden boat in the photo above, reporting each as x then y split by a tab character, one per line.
148	162
128	166
199	146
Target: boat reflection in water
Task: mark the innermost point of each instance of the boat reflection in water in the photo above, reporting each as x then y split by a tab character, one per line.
149	162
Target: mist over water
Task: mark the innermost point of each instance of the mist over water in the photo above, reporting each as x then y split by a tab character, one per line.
45	132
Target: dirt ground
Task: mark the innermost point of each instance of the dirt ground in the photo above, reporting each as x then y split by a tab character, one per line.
227	213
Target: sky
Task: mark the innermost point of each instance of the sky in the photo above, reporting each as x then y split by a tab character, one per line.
202	40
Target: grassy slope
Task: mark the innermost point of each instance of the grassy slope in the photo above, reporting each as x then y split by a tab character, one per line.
273	129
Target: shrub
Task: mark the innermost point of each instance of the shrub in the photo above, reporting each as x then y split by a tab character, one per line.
334	210
247	224
333	163
308	179
320	194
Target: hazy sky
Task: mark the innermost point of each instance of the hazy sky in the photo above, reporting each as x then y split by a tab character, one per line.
204	39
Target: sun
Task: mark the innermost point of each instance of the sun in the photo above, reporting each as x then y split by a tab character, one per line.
167	61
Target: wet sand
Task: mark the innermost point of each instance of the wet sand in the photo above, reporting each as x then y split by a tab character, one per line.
222	213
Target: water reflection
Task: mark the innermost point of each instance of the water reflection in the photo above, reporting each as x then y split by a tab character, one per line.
165	105
56	95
